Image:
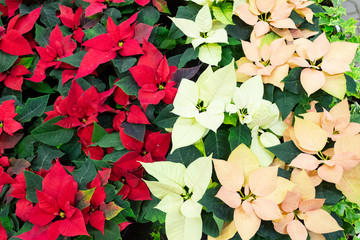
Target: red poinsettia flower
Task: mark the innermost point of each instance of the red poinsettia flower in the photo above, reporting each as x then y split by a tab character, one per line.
104	47
80	107
12	42
59	47
85	135
7	114
97	6
93	214
24	23
56	202
72	20
12	6
5	178
13	78
153	75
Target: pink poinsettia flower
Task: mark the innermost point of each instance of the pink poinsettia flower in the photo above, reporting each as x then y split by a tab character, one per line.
323	63
153	75
104	47
7	114
59	47
270	61
266	14
301	7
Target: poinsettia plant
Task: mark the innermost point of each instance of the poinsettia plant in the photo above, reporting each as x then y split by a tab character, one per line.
197	119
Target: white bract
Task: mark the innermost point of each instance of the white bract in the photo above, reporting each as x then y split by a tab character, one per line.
180	189
258	114
204	30
201	105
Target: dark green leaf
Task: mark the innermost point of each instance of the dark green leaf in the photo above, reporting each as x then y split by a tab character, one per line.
292	81
42	35
75	59
48	14
210	226
98	133
286	151
238	135
296	18
240	31
148	15
110	140
111	232
350	84
41	87
25	148
51	134
355	118
45	156
33	182
166	119
136	131
329	192
215	205
185	155
34	107
6	61
85	174
123	64
188	55
114	156
128	85
285	101
94	31
267	231
72	149
217	144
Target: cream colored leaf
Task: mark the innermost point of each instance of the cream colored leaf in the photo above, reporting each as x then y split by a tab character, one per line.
183	25
349	185
170	202
160	190
203	20
179	227
245	159
210	53
319	221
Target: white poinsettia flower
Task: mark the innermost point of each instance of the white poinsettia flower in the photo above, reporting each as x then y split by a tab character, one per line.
204	30
201	105
259	115
180	189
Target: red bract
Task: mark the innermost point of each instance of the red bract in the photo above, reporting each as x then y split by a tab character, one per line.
153	75
13	78
25	23
72	21
3	234
7	113
103	48
12	6
59	47
80	107
56	201
97	6
12	42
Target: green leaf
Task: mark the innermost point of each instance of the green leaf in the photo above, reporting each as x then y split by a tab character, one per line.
292	81
329	192
148	15
72	149
85	174
217	144
33	182
211	226
34	107
231	119
286	151
48	14
45	155
355	118
240	31
98	133
42	35
51	134
136	131
188	55
25	148
41	87
224	13
114	156
296	18
6	61
215	205
111	232
166	118
122	64
110	140
26	61
238	135
75	59
128	85
185	155
94	31
350	85
285	101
